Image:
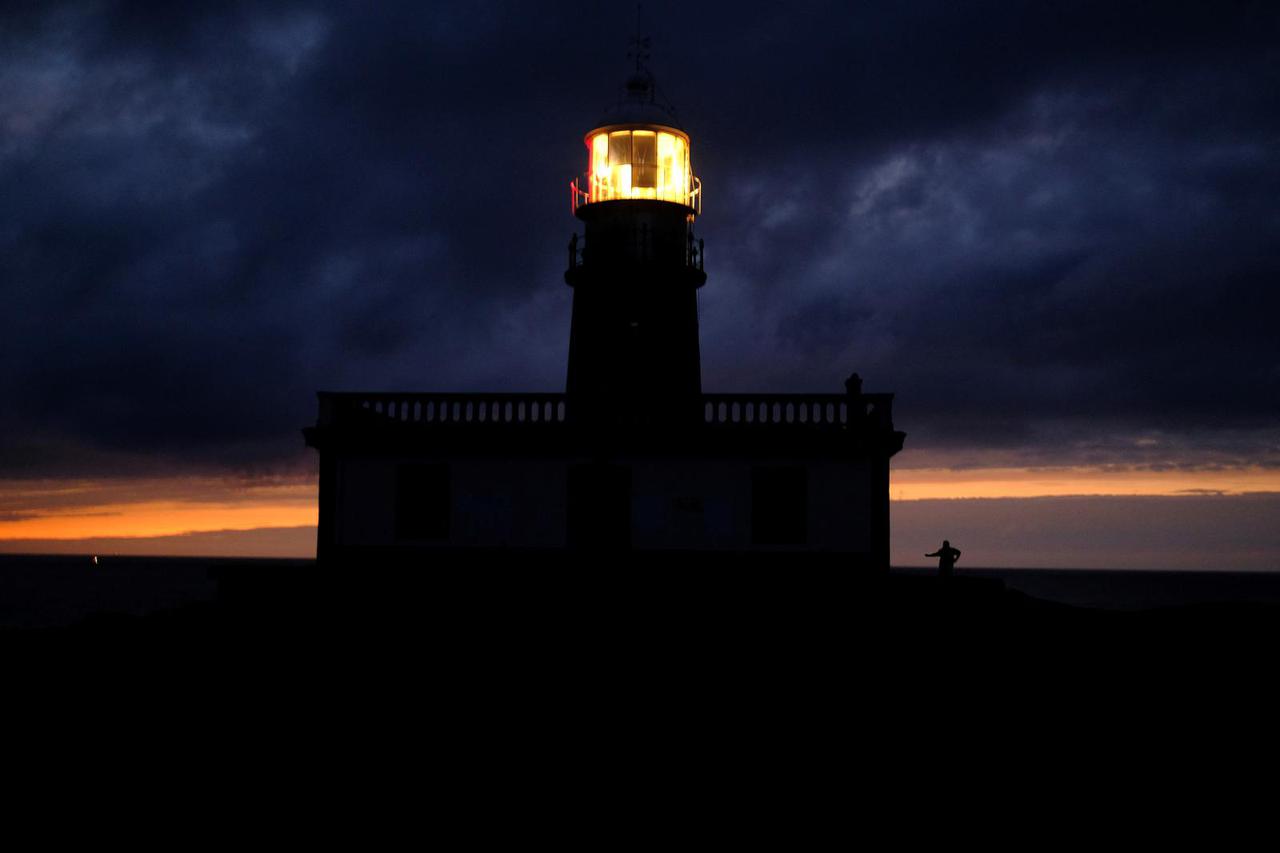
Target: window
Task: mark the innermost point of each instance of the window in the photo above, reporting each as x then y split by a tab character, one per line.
779	506
422	502
644	160
600	156
620	162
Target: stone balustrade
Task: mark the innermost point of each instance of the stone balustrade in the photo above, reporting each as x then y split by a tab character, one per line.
520	410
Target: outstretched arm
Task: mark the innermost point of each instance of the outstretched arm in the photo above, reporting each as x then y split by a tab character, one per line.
934	554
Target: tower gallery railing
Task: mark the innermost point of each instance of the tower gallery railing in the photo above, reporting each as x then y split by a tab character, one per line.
588	189
719	411
695	252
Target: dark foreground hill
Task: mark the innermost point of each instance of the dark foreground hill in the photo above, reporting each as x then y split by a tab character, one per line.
613	698
680	611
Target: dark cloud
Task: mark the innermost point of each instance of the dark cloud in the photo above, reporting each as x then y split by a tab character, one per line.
1050	228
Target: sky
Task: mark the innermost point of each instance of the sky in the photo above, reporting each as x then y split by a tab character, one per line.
1051	229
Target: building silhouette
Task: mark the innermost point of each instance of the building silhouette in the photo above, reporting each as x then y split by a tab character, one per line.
633	456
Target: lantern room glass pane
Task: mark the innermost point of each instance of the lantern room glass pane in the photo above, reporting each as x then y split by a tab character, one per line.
681	169
600	155
666	165
644	163
620	148
619	164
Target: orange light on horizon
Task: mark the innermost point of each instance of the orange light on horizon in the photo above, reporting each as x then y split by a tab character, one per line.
83	509
156	519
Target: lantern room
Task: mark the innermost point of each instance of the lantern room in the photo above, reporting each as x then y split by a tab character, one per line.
637	151
638	162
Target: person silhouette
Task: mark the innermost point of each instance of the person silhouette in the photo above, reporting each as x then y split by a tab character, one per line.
947	557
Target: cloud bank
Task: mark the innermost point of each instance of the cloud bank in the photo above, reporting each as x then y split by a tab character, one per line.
1051	230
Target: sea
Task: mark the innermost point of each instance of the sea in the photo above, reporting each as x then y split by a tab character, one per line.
59	590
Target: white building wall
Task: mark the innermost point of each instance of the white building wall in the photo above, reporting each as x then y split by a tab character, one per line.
495	503
366	502
707	504
676	503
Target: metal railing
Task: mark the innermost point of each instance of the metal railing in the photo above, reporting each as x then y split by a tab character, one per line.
694	252
588	189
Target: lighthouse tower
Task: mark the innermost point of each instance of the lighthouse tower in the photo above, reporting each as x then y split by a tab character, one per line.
635	272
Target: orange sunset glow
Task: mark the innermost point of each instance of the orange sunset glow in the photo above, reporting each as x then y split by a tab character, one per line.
138	514
61	510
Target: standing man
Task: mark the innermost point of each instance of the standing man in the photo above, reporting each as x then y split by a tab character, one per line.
947	557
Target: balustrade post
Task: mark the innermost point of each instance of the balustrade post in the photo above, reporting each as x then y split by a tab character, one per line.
857	402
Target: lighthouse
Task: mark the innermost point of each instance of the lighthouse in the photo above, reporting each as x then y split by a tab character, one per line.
633	457
637	268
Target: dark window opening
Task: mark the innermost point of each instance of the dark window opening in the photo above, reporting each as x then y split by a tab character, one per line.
779	506
422	502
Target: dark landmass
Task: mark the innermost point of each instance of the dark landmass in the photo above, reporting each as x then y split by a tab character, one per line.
1129	589
654	601
768	676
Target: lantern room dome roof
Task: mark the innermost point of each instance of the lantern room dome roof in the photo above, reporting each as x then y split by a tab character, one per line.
640	103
